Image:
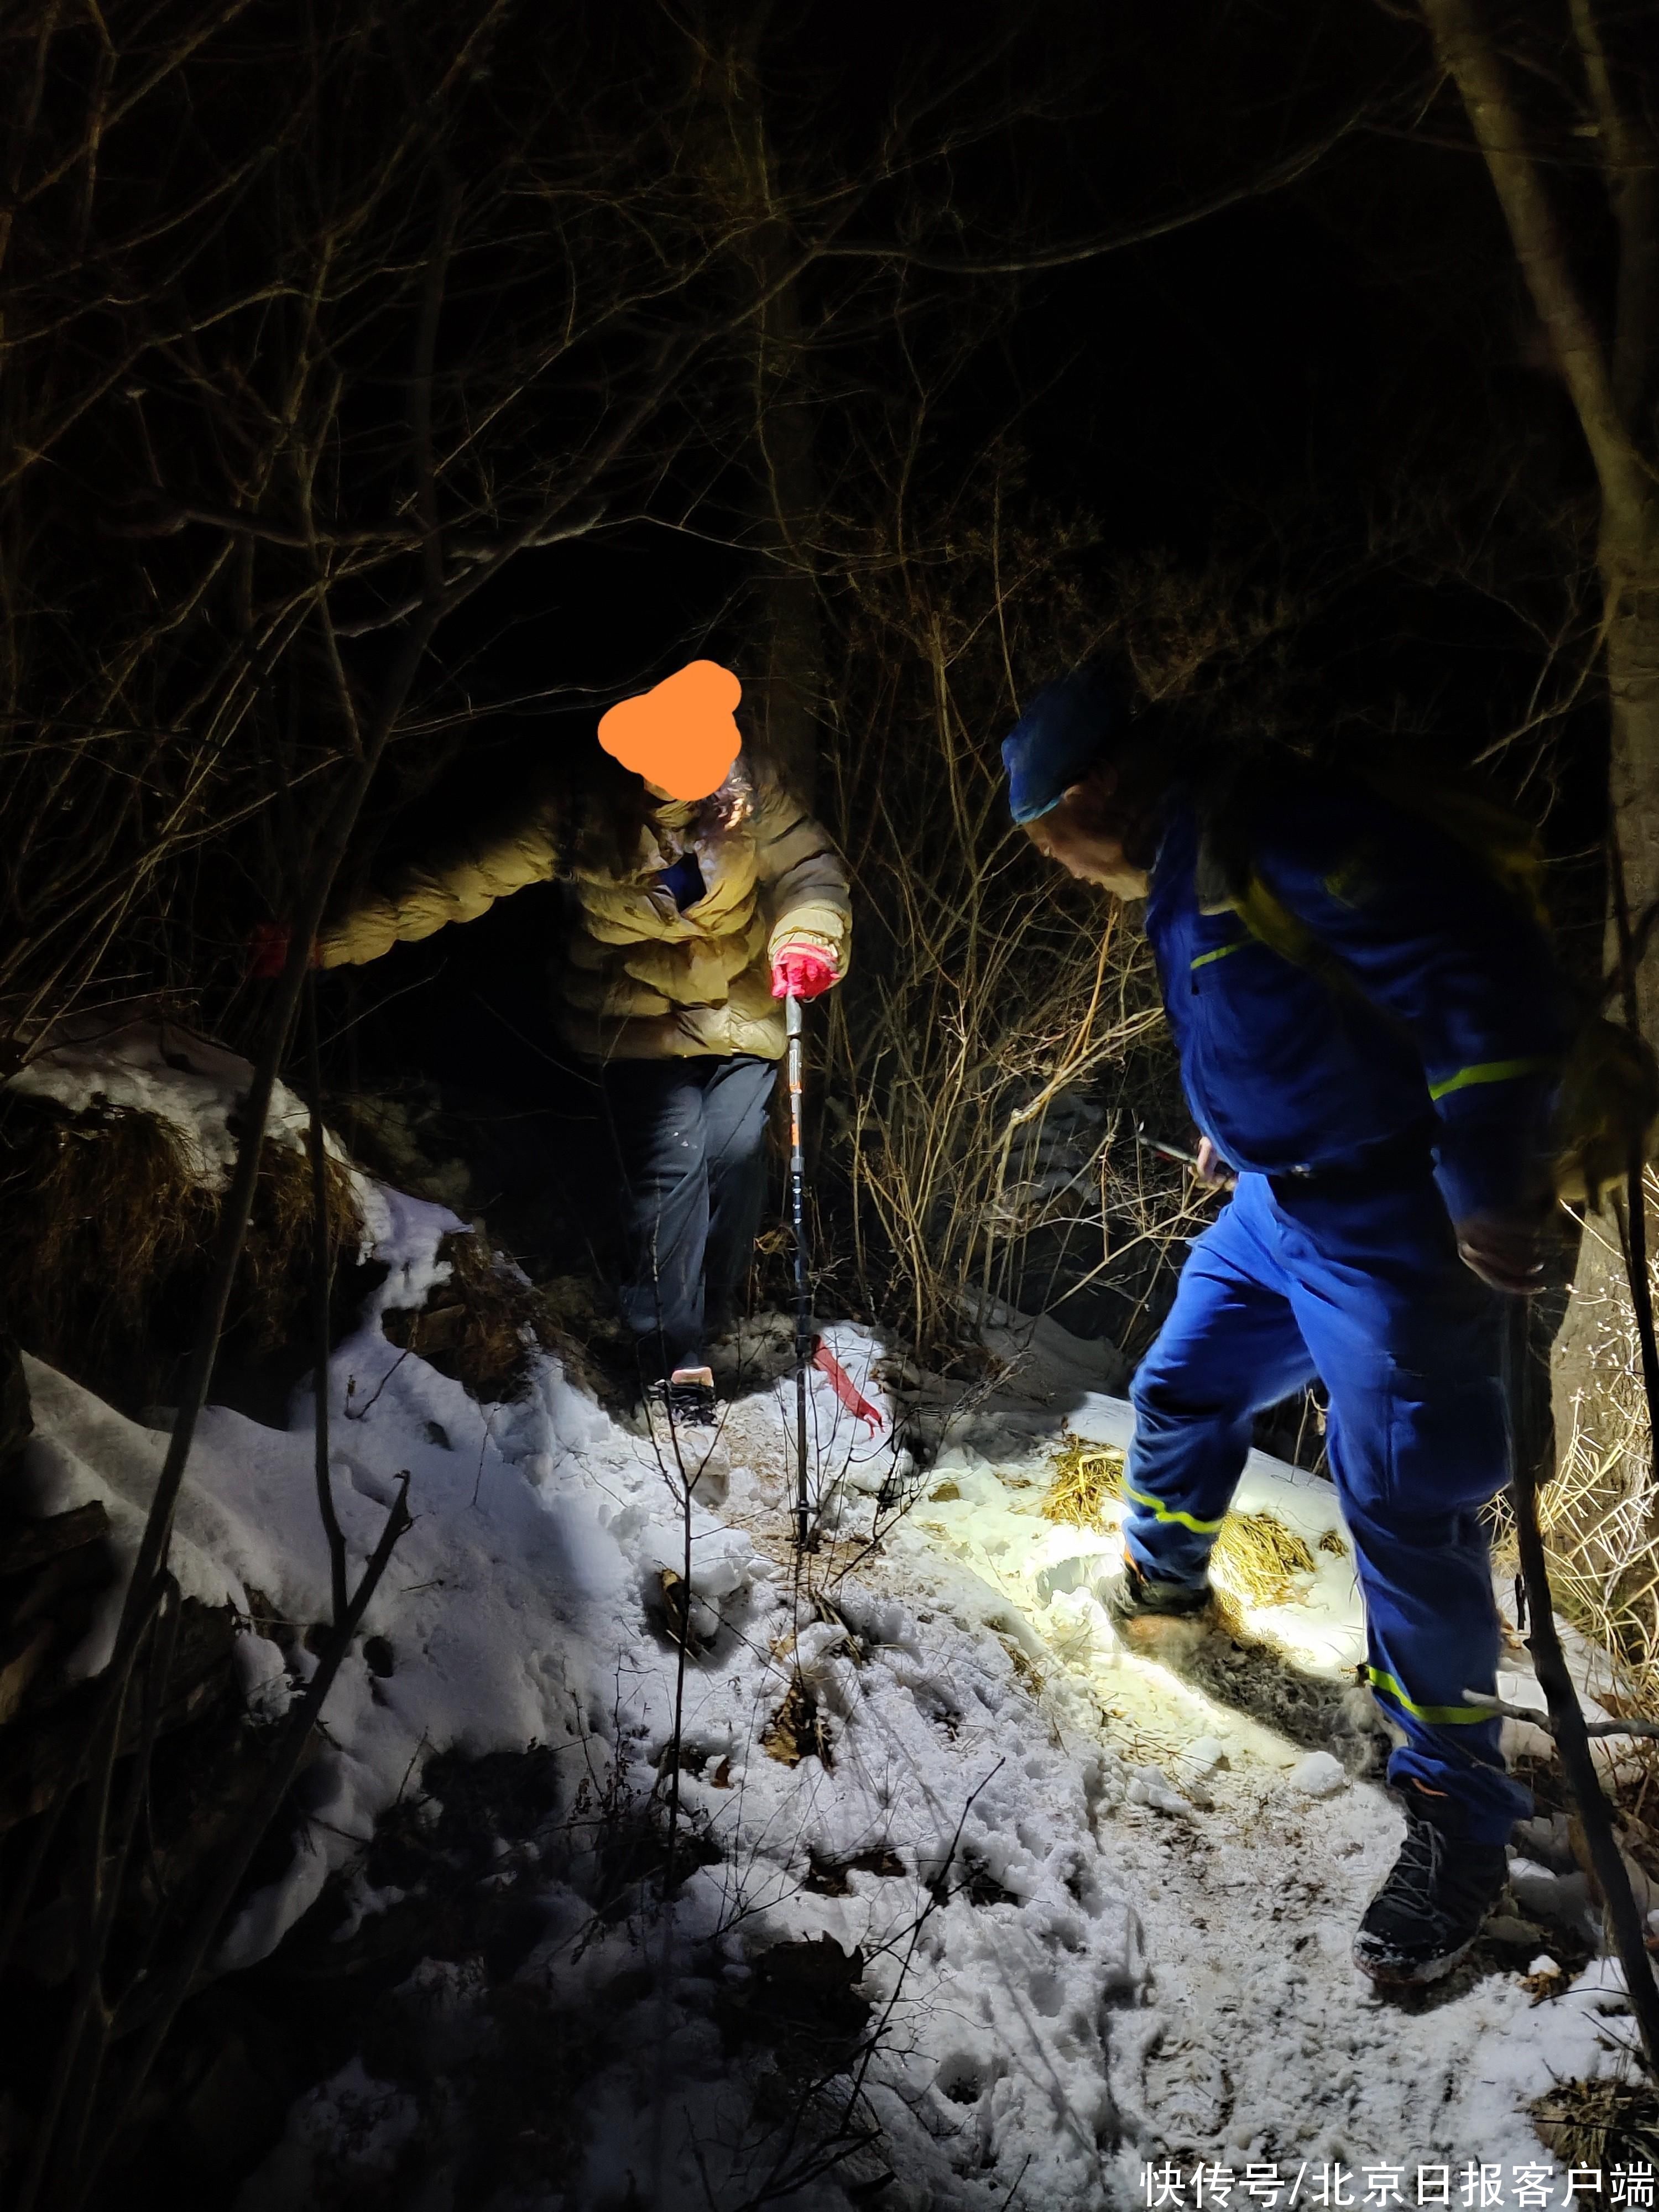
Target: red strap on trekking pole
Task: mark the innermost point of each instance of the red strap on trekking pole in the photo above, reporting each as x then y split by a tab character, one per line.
845	1388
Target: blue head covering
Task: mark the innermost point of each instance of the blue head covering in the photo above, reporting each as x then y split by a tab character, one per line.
1058	738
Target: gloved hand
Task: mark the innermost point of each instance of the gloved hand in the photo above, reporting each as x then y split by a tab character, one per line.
1211	1170
801	971
1507	1249
267	951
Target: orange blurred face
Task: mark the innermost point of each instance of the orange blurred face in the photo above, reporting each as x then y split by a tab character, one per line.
679	736
1082	834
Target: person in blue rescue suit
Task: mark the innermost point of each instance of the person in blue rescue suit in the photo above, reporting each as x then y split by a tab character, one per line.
1378	1089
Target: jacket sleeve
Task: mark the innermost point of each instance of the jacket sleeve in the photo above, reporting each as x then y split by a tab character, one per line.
1456	961
455	884
802	880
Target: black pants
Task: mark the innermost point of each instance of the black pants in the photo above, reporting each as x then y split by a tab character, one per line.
690	1147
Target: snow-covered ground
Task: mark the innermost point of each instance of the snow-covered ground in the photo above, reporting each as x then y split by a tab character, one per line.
1104	1920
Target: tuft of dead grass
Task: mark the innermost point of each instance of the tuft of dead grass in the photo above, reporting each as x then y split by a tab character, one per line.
94	1208
275	1284
1600	2124
1260	1560
106	1232
1256	1557
483	1327
1085	1477
479	1328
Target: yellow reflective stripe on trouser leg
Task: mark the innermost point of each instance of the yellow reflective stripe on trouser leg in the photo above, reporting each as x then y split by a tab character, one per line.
1491	1071
1431	1715
1168	1513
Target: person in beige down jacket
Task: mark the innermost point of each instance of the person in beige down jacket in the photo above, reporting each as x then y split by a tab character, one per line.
689	923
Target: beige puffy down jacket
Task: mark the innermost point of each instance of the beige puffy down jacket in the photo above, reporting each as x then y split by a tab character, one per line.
638	980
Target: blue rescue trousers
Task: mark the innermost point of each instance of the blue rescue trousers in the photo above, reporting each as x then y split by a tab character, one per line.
1361	1287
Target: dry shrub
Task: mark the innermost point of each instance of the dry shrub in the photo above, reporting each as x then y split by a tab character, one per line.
1256	1557
479	1328
106	1235
1600	2123
483	1327
1599	1518
586	1334
1217	639
400	1138
1599	1523
999	1036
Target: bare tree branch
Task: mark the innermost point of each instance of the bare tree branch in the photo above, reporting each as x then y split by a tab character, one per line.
1468	54
1630	161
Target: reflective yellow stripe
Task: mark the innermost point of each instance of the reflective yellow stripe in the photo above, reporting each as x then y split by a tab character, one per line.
1490	1071
1221	952
1435	1716
1165	1513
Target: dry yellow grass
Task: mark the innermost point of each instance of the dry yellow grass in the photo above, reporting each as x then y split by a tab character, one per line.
1084	1476
1600	2124
1256	1557
1259	1559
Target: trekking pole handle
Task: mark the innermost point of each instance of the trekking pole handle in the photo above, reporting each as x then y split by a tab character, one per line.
792	1032
1165	1152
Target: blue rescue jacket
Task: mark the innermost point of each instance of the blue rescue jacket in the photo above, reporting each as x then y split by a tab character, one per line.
1435	1003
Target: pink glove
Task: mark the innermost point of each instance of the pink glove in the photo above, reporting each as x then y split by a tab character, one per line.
267	951
801	971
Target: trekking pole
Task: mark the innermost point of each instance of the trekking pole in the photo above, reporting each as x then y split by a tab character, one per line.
1175	1152
803	1287
1566	1715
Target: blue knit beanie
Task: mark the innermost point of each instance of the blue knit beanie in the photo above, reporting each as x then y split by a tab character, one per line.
1058	738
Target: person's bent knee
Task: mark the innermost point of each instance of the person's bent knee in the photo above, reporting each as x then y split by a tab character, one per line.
1174	1399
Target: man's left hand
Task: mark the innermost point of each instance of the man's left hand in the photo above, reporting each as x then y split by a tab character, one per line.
1506	1249
1211	1170
801	971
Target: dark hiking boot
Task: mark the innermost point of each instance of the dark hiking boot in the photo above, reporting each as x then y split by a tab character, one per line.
1198	1638
687	1398
1131	1597
1427	1914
